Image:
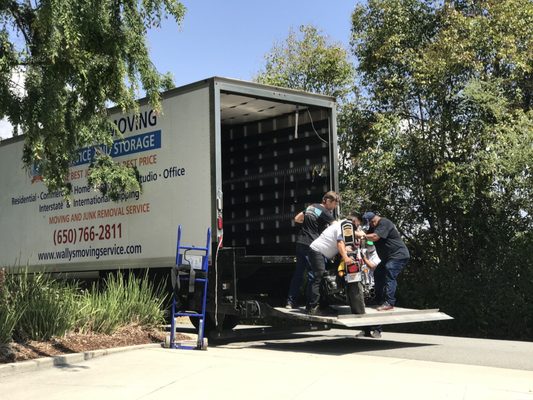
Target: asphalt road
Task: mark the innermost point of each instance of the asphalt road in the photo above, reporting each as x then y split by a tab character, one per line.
323	365
446	349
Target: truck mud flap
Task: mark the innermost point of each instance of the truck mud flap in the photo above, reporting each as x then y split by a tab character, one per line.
346	319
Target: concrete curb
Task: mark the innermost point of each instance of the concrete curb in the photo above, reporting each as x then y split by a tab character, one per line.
65	359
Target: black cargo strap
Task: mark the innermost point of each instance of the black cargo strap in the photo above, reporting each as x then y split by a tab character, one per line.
181	270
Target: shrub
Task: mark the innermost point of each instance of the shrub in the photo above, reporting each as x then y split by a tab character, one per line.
9	316
44	306
123	301
38	307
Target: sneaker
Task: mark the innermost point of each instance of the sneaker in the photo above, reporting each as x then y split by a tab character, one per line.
385	307
291	306
369	333
375	334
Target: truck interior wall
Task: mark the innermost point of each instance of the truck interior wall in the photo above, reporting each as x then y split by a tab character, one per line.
270	172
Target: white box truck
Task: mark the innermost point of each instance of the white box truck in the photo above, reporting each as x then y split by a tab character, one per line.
224	154
238	157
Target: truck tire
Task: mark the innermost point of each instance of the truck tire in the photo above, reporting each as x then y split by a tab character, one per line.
355	297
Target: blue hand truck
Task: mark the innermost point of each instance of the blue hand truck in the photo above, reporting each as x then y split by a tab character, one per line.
189	279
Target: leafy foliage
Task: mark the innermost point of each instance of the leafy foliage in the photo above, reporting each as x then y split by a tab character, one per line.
438	137
442	145
108	177
307	61
77	56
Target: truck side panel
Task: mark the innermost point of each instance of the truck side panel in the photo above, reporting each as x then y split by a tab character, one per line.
42	230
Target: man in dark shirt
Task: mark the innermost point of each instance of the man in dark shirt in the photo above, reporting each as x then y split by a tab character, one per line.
314	220
394	257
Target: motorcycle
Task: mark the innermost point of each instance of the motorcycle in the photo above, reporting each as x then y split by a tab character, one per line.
349	284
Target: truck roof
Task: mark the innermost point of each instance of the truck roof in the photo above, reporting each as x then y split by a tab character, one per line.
243	101
261	99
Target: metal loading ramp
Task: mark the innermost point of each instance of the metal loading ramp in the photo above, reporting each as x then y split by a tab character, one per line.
372	317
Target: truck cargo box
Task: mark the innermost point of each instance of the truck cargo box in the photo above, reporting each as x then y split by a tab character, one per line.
239	157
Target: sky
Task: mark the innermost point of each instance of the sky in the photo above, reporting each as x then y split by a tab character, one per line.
230	38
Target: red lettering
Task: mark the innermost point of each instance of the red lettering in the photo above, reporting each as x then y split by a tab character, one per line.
148	160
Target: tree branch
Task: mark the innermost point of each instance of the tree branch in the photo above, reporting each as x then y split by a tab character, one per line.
23	17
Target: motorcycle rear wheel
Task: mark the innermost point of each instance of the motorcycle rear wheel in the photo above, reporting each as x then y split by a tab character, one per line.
355	297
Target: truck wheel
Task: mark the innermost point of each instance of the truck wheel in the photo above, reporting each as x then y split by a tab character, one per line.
228	322
355	297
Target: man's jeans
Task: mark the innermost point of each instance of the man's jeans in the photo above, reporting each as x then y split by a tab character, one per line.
302	265
385	279
318	267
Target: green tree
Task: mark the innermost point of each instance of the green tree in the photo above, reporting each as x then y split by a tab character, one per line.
443	144
77	56
308	61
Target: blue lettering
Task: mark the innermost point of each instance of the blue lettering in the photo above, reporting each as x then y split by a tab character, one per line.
136	122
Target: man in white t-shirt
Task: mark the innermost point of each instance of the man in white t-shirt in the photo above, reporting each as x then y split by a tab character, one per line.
328	244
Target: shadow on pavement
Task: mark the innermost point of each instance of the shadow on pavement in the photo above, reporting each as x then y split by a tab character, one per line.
330	345
73	367
341	346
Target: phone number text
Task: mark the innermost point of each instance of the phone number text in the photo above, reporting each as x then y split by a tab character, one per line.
87	234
